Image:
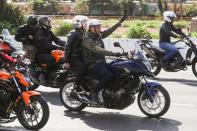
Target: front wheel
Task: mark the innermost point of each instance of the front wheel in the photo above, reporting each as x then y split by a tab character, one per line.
160	104
67	92
35	117
194	67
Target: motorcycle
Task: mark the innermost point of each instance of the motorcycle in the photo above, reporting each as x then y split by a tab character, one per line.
7	50
17	101
187	55
57	77
130	78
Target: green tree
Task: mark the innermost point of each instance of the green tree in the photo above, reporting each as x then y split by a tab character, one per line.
160	6
123	4
3	3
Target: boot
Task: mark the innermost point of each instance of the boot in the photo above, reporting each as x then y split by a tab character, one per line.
94	97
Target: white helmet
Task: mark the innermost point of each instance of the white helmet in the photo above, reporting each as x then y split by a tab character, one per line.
169	15
93	22
79	21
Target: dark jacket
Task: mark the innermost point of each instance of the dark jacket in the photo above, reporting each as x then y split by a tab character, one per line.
22	34
43	40
168	30
93	46
73	46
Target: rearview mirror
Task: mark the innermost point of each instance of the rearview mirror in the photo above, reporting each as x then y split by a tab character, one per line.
117	44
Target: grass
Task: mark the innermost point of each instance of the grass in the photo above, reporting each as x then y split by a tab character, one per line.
151	25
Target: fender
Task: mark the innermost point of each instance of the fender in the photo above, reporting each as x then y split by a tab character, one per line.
26	96
152	84
194	54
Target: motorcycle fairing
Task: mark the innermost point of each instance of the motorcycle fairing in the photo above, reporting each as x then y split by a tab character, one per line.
132	66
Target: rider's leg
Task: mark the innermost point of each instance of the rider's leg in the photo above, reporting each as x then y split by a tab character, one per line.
50	65
170	49
79	66
104	75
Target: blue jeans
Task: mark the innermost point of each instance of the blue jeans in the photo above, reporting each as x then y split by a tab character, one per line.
170	49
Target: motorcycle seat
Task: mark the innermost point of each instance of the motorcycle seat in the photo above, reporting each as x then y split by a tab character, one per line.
158	48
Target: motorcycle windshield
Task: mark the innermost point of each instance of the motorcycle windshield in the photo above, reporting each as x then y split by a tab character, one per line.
139	55
194	40
8	38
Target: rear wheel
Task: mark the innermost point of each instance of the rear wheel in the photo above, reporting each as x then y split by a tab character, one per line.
66	97
156	67
194	67
160	104
36	116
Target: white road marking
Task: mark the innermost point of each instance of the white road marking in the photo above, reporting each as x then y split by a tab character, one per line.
186	105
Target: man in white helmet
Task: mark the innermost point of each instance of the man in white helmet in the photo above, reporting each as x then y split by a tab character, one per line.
94	54
168	30
73	54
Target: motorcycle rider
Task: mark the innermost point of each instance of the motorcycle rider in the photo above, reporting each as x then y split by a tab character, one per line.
94	54
168	30
73	54
43	41
25	34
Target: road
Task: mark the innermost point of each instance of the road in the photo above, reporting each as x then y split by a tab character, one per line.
181	116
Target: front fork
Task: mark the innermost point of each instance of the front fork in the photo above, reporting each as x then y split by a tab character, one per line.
149	88
25	95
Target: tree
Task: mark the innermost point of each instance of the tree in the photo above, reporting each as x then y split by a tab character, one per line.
2	5
122	3
160	6
125	4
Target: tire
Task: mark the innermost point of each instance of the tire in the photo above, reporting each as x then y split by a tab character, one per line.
66	100
157	67
21	112
194	67
143	102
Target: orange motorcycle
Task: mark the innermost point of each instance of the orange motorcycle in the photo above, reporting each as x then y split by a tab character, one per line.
57	77
17	101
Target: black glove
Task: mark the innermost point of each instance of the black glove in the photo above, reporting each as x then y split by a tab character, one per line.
124	17
117	54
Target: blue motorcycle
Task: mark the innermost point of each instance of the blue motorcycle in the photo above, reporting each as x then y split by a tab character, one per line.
130	78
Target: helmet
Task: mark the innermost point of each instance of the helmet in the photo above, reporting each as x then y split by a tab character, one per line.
93	22
169	16
45	21
80	21
32	20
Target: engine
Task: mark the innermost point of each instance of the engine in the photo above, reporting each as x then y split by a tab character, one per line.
121	96
117	101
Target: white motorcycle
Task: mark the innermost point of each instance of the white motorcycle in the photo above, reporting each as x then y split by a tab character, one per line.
187	55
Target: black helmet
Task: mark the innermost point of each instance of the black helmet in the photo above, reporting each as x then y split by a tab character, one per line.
32	20
45	21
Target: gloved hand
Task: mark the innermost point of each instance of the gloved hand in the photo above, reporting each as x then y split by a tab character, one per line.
180	36
117	54
30	37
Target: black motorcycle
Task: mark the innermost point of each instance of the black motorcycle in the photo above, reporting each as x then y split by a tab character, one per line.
56	77
129	79
187	55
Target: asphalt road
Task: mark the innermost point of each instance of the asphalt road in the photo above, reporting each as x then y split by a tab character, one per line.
181	116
